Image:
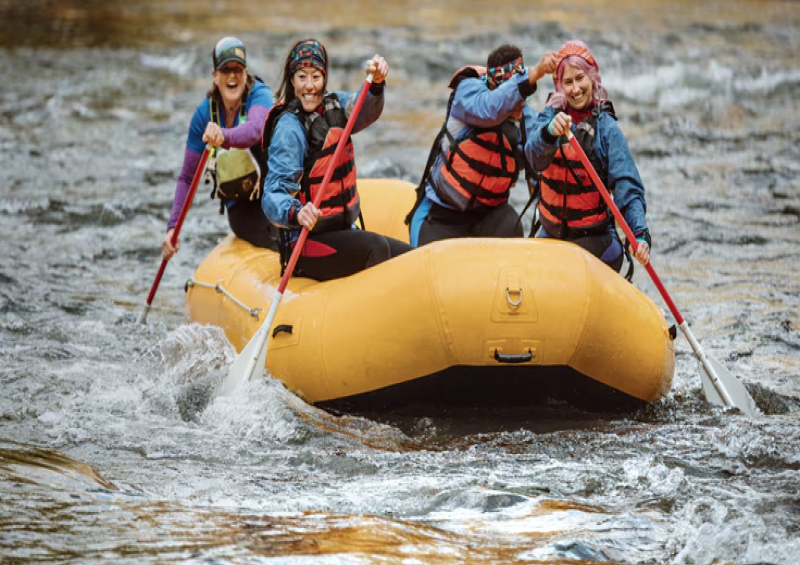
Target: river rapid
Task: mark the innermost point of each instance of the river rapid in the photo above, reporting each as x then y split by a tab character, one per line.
112	447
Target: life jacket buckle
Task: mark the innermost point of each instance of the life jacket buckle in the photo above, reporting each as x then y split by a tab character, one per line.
211	169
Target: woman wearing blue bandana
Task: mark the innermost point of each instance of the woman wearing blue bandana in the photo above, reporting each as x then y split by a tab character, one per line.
231	120
477	156
302	132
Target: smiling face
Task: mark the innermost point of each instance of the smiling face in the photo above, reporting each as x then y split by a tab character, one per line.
231	80
577	87
309	87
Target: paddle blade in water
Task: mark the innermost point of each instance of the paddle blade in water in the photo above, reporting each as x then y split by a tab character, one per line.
732	386
253	356
719	384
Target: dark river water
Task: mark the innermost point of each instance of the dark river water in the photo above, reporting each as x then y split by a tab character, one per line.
113	450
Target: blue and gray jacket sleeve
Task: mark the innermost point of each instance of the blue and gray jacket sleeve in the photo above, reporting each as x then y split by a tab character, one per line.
611	147
288	150
477	106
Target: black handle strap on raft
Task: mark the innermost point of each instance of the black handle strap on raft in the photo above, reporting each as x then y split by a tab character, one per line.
513	358
282	328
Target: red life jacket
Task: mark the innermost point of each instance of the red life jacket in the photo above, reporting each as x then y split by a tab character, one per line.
570	206
480	169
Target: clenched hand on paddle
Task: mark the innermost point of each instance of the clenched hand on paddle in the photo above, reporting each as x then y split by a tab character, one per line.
720	386
254	355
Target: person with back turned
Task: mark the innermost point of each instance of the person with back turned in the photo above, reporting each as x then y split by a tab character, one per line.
477	156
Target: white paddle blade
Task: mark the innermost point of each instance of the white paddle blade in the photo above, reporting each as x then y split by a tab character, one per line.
709	390
254	356
143	315
735	390
245	364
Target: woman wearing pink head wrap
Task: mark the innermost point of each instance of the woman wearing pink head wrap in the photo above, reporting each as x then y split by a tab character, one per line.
570	207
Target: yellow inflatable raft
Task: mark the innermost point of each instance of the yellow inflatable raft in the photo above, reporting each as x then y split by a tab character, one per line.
467	321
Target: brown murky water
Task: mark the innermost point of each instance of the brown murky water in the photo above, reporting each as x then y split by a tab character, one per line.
111	449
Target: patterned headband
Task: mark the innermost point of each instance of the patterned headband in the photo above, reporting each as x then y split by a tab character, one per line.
308	54
495	76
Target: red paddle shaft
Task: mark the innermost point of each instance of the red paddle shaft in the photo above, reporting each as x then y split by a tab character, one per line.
624	225
187	202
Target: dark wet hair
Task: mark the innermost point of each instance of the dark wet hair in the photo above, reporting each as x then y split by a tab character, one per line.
503	54
285	92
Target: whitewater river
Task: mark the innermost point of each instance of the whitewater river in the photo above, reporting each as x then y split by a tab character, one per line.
113	450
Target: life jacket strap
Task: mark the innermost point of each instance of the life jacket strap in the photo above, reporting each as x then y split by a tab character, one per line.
533	180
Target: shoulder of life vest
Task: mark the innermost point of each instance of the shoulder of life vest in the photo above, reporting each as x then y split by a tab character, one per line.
332	111
586	132
317	125
607	107
330	103
333	116
470	71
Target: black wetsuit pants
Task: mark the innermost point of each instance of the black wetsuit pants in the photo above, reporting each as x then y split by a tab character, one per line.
249	223
444	223
340	253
